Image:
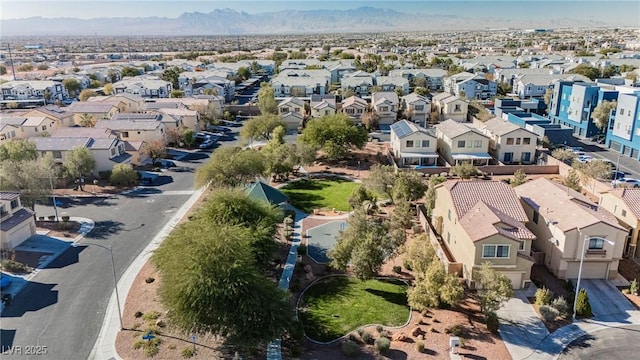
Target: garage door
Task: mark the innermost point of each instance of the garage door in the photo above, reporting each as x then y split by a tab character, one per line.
18	235
516	279
615	146
590	270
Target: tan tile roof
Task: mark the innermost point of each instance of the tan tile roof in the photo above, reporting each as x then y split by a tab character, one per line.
567	208
483	221
497	194
631	197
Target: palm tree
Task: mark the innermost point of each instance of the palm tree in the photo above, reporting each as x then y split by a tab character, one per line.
87	120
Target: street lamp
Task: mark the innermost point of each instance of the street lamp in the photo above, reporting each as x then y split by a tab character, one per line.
575	298
115	280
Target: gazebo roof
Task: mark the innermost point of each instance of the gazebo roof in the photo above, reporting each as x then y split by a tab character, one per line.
264	192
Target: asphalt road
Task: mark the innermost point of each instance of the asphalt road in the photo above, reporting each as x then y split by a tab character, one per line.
630	166
63	306
610	344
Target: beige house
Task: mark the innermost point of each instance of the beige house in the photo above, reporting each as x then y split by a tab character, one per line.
16	223
509	142
413	145
24	127
187	118
483	221
10	128
291	105
418	106
459	142
292	120
355	107
564	221
61	116
125	102
450	107
385	104
135	130
624	204
322	106
92	111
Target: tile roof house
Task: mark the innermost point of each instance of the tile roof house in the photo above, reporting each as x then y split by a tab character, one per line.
509	142
145	86
388	83
322	105
483	221
413	145
135	127
354	107
458	142
450	107
92	111
61	116
24	127
386	105
564	221
433	78
417	106
624	204
16	223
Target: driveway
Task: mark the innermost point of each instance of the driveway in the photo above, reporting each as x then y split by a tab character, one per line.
607	302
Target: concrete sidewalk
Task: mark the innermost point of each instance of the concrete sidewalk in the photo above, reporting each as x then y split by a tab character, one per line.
105	346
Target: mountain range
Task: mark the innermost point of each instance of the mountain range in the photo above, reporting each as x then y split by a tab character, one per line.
232	22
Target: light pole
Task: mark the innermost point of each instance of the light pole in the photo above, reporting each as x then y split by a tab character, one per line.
115	280
53	196
575	298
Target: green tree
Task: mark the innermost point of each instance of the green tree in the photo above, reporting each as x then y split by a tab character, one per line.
130	71
18	150
360	196
600	114
261	127
108	89
86	94
519	178
334	134
188	137
496	288
408	186
504	88
572	180
177	93
430	201
72	85
434	288
583	307
231	166
31	177
422	91
155	150
464	170
402	215
592	171
370	120
266	100
87	120
244	73
564	155
282	159
381	180
79	162
171	75
123	175
586	70
420	254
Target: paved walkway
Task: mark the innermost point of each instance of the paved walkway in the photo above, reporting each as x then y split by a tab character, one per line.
105	346
273	349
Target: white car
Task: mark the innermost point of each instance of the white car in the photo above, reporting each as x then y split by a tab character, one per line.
584	158
626	182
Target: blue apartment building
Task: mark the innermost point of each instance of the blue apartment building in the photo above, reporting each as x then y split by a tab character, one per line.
623	134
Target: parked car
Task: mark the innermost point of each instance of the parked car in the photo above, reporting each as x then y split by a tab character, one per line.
616	175
626	182
164	163
218	128
207	144
584	158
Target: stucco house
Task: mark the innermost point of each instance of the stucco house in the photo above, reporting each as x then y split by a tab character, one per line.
450	107
431	78
476	88
16	223
61	116
483	221
322	106
564	221
132	129
389	83
361	85
413	145
32	91
93	111
385	104
292	104
418	106
510	143
459	142
24	127
354	107
145	86
624	204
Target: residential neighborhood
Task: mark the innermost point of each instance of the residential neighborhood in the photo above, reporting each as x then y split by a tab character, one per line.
459	192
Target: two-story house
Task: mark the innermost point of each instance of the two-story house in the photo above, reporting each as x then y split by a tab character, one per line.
61	116
417	106
566	223
355	107
92	111
413	145
322	105
432	79
509	142
16	223
624	204
459	143
360	82
301	83
450	107
135	129
388	83
477	88
385	104
146	86
483	221
623	134
32	92
24	127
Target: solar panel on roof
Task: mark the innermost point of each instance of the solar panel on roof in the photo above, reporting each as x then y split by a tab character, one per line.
401	128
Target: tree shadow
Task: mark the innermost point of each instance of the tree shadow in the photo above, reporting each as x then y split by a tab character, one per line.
69	257
33	297
315	325
6	340
305	184
104	229
396	355
394	298
582	342
304	201
142	192
472	356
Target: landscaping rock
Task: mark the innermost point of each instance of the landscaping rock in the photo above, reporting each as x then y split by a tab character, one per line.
420	337
399	337
307	268
417	331
310	276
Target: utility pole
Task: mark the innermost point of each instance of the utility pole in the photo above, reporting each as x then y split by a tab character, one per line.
53	197
13	70
129	47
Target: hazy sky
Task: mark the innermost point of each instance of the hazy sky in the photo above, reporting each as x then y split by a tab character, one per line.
628	11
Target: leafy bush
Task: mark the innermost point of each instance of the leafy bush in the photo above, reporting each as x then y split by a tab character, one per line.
382	345
420	346
151	315
561	305
123	175
139	344
350	348
366	337
187	352
65	218
14	266
407	265
548	313
543	296
583	307
493	324
633	287
455	330
397	269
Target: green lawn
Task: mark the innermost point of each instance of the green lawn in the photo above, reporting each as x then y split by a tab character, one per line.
329	193
338	305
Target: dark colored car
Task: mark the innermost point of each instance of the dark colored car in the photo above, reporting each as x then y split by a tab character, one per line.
165	164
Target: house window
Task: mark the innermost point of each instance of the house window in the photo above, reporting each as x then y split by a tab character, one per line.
477	143
623	212
461	143
3	212
14	203
621	111
57	154
522	245
384	108
596	244
409	143
360	111
113	152
125	134
44	127
419	107
425	143
457	108
509	141
517	141
526	141
495	251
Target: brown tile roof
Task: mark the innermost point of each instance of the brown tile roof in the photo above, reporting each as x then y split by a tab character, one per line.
497	194
8	196
482	221
567	208
631	197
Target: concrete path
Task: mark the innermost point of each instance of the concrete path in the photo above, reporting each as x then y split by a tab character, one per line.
273	349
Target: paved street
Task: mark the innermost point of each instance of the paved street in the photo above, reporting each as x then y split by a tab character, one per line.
63	306
598	151
608	344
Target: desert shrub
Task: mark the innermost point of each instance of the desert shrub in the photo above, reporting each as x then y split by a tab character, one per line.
626	291
51	217
65	218
397	269
633	287
407	265
561	305
139	344
149	280
366	337
379	328
123	175
543	296
548	313
302	249
420	346
187	352
455	330
382	345
583	307
493	324
350	348
14	266
138	314
172	346
151	315
136	326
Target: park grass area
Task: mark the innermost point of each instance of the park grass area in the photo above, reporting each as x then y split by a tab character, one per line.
335	306
309	194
